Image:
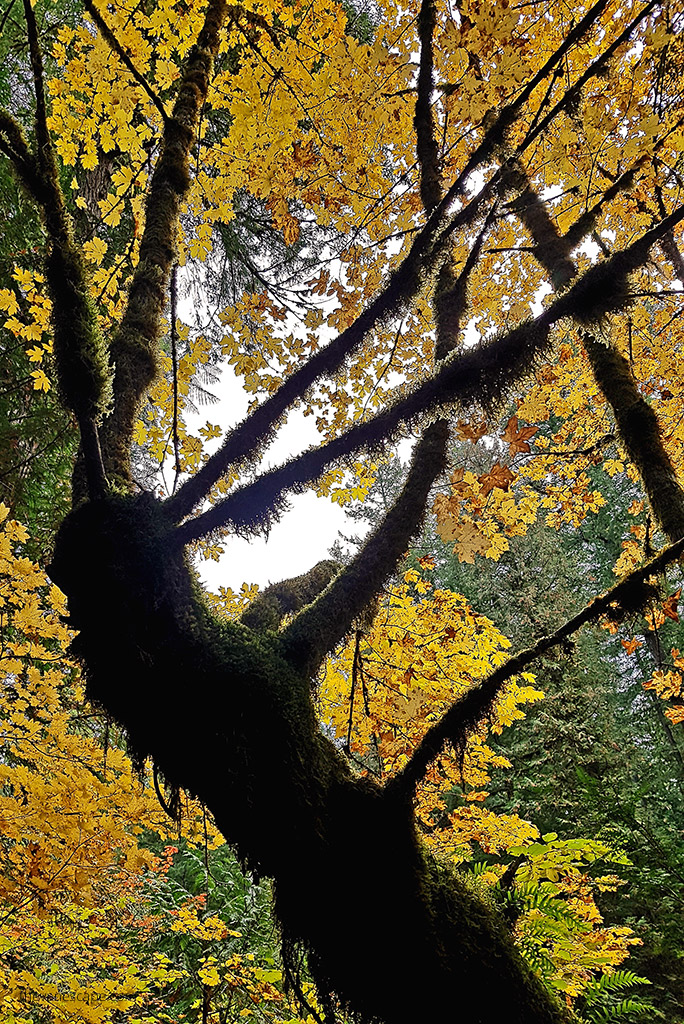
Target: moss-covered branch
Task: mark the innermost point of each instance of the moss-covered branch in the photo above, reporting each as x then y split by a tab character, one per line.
628	596
640	434
423	118
338	847
482	375
81	358
15	147
320	627
244	441
597	67
427	253
134	346
271	606
636	421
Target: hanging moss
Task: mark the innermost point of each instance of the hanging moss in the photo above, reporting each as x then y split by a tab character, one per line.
226	712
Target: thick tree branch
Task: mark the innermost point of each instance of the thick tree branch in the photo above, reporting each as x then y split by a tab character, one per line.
134	347
636	421
626	597
45	153
423	119
586	222
640	434
426	253
482	375
271	606
80	351
320	627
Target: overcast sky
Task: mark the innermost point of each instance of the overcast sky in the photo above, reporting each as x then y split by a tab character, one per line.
303	535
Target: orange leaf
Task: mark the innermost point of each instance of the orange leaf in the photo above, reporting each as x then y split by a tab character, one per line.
517	437
467	431
498	476
670	606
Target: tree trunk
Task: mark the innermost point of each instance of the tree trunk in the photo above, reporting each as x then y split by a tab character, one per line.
227	713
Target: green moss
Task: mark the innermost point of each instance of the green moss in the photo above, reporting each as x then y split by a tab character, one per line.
640	433
226	712
81	356
268	610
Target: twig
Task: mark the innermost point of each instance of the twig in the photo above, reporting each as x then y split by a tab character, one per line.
115	45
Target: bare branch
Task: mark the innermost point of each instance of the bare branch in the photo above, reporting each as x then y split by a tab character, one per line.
629	595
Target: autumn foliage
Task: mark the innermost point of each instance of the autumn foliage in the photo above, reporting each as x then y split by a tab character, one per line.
461	221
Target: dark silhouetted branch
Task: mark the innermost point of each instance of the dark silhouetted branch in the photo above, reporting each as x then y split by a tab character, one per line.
626	597
482	375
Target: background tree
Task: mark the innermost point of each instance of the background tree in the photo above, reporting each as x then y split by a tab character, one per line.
202	102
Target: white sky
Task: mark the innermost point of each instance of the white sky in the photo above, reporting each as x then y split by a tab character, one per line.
303	535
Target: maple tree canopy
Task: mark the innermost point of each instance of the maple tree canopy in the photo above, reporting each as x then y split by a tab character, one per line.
490	231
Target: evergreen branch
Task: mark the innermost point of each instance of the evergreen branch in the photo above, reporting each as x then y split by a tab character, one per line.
481	375
134	346
627	596
114	45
